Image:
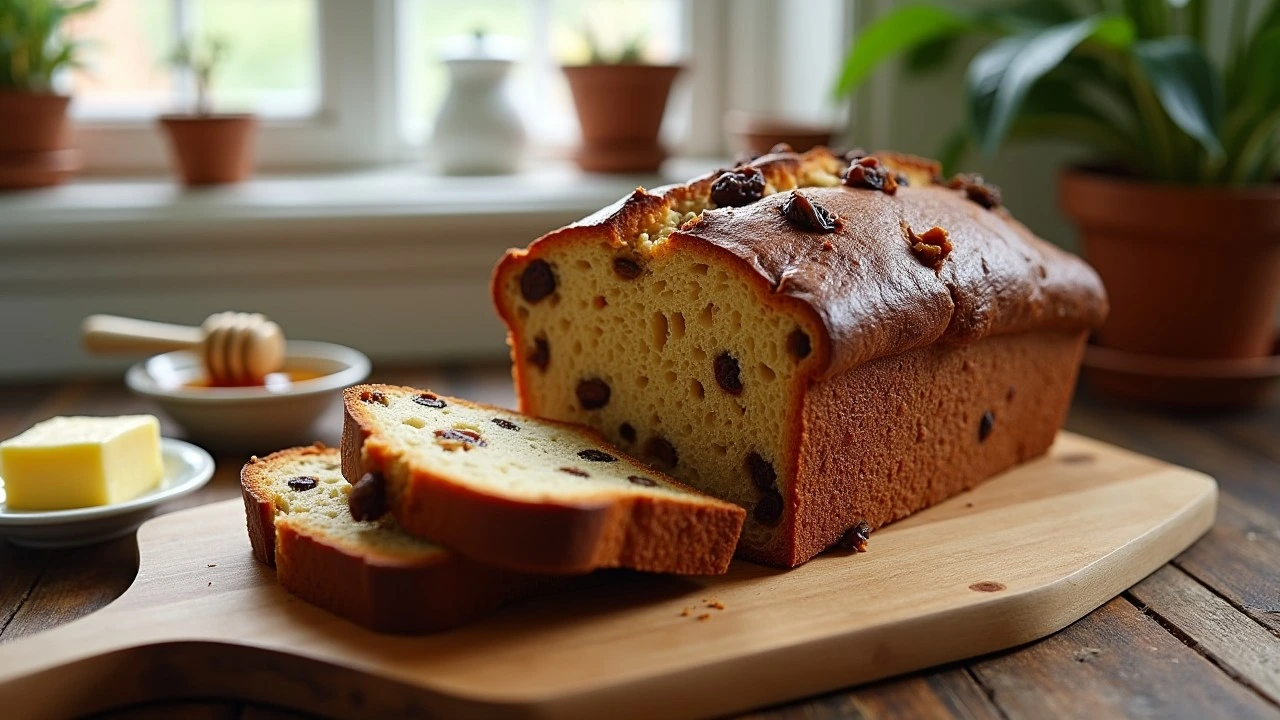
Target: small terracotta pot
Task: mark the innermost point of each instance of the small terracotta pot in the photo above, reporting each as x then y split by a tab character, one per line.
211	149
33	144
620	108
757	134
1191	272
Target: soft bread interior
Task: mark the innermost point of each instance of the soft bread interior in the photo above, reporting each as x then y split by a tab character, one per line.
320	511
700	369
505	454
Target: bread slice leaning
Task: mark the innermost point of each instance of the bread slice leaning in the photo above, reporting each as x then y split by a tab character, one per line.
532	495
371	573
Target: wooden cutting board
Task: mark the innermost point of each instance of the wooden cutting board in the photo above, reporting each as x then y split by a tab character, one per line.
1016	559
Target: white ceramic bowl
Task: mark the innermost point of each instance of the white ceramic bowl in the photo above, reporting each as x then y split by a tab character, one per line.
186	469
250	419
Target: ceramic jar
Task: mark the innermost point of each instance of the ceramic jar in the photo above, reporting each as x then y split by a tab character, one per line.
478	130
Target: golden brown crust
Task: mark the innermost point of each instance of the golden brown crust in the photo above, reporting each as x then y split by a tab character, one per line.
874	298
695	535
411	595
901	433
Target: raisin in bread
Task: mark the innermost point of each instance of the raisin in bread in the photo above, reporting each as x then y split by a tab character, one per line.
369	572
824	340
523	493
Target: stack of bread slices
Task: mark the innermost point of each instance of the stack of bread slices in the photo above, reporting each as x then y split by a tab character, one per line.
437	511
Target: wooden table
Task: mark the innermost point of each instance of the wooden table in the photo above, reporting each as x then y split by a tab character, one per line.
1200	638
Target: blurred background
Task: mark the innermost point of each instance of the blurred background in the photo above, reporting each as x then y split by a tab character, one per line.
399	146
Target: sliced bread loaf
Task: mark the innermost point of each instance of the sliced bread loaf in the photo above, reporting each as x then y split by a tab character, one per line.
371	573
514	491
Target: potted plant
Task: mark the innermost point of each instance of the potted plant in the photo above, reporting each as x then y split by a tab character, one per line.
1180	209
620	102
208	148
34	47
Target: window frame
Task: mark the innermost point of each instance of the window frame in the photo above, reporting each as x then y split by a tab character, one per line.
731	43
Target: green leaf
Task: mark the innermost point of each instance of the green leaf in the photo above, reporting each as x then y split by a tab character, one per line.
1115	31
931	55
1000	76
893	33
1188	88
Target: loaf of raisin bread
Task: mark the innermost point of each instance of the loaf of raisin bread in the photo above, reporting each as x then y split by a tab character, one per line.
825	340
518	492
371	573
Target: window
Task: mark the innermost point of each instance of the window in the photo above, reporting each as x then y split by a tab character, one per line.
343	83
272	67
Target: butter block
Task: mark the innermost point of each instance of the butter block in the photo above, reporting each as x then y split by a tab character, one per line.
71	462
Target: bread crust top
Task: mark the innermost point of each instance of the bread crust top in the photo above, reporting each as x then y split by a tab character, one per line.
871	293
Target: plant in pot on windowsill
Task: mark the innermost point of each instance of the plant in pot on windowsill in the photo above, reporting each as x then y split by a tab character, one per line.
208	148
1180	211
620	102
33	118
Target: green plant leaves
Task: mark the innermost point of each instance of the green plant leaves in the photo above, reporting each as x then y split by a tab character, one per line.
1000	76
1188	88
895	32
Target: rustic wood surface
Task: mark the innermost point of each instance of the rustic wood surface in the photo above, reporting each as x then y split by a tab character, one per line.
1198	638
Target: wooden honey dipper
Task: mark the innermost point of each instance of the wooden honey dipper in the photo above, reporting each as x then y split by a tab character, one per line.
237	348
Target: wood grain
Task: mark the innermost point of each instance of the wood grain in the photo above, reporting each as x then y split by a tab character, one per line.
1240	559
1057	537
1116	663
1232	641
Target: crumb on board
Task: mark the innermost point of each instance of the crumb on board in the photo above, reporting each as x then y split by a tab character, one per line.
212	565
704	616
714	603
684	612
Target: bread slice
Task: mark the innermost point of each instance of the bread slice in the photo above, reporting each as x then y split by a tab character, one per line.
518	492
371	573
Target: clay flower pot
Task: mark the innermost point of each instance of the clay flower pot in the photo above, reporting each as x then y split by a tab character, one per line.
620	108
757	134
33	144
1191	272
211	149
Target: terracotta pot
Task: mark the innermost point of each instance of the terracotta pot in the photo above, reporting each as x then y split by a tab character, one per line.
620	108
757	134
33	145
211	149
1190	272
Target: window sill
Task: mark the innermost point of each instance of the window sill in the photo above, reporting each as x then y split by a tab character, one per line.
394	262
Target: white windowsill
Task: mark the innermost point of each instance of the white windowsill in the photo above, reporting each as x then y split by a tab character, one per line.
85	208
395	262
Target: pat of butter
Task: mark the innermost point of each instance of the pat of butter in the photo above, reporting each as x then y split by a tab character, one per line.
71	462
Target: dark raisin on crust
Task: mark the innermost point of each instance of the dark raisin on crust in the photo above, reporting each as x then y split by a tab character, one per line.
626	268
763	475
931	247
459	439
642	480
807	215
593	393
728	373
738	187
768	509
431	400
627	432
537	281
1011	394
302	483
986	425
368	497
661	451
976	189
375	396
540	356
594	455
868	173
506	424
856	537
575	471
798	344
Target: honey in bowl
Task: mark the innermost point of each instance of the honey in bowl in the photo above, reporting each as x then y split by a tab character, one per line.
274	382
